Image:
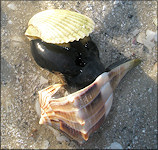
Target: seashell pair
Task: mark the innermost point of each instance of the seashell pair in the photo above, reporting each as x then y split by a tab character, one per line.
60	42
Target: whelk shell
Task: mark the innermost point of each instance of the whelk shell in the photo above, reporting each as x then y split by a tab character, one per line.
59	26
81	113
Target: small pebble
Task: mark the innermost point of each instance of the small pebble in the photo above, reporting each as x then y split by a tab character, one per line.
104	8
12	6
155	21
115	145
143	130
38	108
149	44
45	144
141	37
150	90
43	80
116	2
10	22
150	35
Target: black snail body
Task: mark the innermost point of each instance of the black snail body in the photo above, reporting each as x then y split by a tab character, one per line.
79	62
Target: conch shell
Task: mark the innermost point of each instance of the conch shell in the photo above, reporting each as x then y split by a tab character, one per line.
81	113
59	26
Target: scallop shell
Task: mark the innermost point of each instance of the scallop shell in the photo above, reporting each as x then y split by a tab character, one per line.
81	113
59	26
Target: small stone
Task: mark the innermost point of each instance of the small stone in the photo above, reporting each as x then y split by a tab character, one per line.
141	37
10	22
115	145
16	41
149	44
143	130
12	6
38	108
45	144
104	8
43	80
148	39
150	35
116	2
128	147
150	90
155	21
155	68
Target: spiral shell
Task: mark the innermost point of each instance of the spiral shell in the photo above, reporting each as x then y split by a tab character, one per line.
59	26
81	113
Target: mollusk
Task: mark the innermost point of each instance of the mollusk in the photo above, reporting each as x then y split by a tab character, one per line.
59	26
79	61
81	113
60	42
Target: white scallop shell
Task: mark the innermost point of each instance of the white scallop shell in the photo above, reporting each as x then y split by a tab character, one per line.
59	26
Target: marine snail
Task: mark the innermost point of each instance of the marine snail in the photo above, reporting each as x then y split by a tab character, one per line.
60	42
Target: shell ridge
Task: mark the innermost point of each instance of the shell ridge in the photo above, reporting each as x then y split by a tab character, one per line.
46	22
64	29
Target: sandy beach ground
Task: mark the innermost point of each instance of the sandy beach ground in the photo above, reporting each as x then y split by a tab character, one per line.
122	30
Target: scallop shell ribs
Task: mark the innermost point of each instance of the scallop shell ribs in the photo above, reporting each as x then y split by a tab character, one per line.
81	113
59	26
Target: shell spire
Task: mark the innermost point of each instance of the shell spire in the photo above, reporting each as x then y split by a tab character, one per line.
81	113
59	26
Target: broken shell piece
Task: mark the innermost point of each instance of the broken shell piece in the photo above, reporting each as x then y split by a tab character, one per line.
141	37
155	21
81	113
150	35
59	26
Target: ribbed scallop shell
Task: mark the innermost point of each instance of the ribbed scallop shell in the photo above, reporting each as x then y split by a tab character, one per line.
59	26
81	113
